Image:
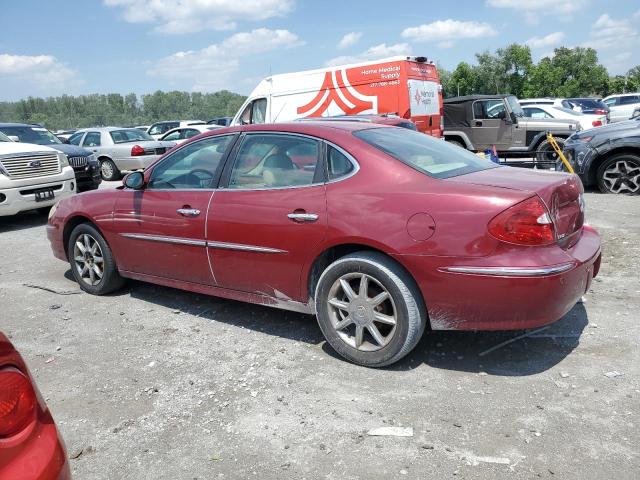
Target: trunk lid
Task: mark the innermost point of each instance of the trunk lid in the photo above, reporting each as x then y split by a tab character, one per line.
561	193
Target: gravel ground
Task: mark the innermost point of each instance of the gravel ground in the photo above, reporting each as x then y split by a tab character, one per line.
155	383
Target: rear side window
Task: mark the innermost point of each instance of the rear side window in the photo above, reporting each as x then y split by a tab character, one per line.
628	99
432	157
338	163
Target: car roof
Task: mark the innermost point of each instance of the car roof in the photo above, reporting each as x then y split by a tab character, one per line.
469	98
310	128
9	124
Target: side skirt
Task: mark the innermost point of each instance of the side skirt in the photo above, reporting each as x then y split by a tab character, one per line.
256	298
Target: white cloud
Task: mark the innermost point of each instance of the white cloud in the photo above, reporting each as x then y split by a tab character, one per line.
374	53
349	40
550	40
42	73
187	16
212	67
447	31
534	9
615	40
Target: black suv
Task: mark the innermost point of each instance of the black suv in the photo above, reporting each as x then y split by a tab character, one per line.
84	162
608	156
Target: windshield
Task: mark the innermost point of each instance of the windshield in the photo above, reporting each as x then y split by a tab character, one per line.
129	135
515	106
433	157
28	134
587	102
4	138
569	111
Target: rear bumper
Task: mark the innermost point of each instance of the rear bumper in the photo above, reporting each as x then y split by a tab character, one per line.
135	163
480	296
20	199
40	455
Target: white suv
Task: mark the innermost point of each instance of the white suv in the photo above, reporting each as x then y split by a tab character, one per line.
621	106
32	177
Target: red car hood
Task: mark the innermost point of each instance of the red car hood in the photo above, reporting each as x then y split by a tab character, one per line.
561	192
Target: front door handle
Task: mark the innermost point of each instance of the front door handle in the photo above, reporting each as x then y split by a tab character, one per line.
188	212
303	217
478	123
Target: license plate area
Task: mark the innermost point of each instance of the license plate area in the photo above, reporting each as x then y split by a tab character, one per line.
44	194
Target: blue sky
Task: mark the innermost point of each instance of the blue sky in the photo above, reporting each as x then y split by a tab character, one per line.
100	46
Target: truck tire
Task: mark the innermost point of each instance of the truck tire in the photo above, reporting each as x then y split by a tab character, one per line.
545	153
620	174
379	324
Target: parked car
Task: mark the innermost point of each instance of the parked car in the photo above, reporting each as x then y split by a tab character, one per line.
182	134
549	111
222	121
479	122
608	157
119	149
31	447
587	105
32	177
84	162
622	106
64	135
383	119
379	231
158	129
407	86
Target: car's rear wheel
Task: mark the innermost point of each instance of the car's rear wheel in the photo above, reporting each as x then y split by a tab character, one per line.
108	170
547	155
369	309
620	174
92	262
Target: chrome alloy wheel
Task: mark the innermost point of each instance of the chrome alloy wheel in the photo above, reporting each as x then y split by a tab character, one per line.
106	169
365	320
622	177
88	259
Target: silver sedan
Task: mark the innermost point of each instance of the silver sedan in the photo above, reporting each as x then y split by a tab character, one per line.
120	149
182	134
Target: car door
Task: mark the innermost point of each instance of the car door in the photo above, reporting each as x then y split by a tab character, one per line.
160	229
491	125
269	215
627	104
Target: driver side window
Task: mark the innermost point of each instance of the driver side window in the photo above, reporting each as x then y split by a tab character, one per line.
194	166
255	112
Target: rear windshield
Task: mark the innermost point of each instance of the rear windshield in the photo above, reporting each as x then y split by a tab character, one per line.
435	158
587	102
129	135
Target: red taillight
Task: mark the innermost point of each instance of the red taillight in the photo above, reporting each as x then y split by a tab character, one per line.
526	223
136	151
17	402
596	123
600	111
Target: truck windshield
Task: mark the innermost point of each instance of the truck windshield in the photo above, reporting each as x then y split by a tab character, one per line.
432	157
27	134
514	104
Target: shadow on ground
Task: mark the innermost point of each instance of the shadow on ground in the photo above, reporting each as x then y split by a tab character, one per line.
449	350
23	221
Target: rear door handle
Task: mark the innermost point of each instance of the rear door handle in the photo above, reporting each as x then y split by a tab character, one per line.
188	212
303	217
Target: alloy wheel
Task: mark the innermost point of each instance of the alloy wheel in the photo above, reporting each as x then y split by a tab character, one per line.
88	259
107	169
622	177
365	320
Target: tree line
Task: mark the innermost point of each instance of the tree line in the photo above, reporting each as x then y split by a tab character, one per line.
570	72
67	111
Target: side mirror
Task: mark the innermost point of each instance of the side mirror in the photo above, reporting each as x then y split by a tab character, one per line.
134	180
14	138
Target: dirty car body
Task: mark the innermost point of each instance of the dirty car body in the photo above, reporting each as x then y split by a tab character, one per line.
30	446
306	216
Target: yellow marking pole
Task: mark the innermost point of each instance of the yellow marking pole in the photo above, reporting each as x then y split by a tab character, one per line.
558	150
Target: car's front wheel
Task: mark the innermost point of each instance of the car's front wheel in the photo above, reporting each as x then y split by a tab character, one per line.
620	174
109	171
369	309
92	262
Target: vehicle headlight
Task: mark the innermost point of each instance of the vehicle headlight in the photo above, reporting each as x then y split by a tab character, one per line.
64	161
92	158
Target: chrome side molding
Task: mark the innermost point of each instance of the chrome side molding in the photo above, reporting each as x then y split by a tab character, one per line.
511	271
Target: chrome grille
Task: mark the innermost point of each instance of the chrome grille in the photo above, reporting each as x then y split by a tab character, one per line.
78	161
32	165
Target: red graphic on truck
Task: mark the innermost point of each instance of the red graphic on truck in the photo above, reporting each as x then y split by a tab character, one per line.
336	88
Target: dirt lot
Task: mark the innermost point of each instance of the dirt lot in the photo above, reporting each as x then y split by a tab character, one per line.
155	383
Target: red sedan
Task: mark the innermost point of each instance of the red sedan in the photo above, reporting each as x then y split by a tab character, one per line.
30	447
379	231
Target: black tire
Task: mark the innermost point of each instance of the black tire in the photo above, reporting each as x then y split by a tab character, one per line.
545	153
628	166
457	143
405	300
109	171
111	279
